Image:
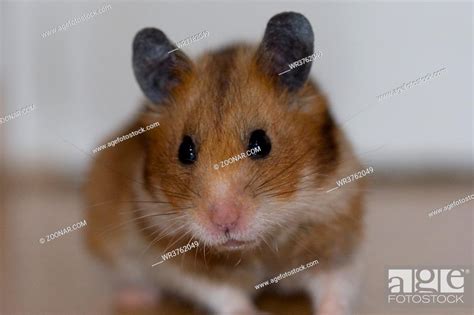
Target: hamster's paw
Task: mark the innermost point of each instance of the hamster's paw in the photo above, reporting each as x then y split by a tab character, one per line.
137	297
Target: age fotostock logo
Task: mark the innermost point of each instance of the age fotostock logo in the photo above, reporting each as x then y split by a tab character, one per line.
427	285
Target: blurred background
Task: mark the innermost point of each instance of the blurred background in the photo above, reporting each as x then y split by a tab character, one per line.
420	142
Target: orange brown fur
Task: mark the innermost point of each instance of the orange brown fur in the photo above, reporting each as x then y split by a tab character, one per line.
221	100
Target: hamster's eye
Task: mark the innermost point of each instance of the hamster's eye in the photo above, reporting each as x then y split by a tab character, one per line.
187	151
261	144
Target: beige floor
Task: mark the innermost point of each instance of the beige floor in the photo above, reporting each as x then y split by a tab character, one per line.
59	277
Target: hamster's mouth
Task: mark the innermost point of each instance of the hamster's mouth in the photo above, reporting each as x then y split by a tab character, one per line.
233	244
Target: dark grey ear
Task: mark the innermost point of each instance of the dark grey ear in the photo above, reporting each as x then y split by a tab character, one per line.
158	69
288	38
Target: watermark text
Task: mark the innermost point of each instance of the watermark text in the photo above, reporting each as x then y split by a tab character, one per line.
76	21
18	113
451	205
189	40
177	251
126	137
240	156
410	84
352	177
286	274
63	231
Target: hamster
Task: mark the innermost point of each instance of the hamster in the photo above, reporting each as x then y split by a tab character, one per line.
251	219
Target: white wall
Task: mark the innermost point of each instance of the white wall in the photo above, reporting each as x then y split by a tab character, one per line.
83	87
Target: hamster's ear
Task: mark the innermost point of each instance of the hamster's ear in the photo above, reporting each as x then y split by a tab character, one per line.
157	69
288	38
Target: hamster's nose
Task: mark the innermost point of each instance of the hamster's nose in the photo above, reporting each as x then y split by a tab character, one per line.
224	216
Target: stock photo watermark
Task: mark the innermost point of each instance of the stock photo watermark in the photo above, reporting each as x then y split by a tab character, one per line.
76	21
398	90
126	137
427	285
352	177
63	231
16	114
303	61
176	252
410	84
451	205
287	274
236	158
189	40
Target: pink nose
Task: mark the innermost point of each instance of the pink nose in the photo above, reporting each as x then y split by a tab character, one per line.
225	217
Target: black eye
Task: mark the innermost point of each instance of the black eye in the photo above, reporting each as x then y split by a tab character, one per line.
187	151
260	143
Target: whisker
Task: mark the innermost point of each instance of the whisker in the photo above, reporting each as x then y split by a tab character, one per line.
127	201
187	243
205	263
164	233
285	170
114	227
142	209
268	245
177	240
157	224
268	188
